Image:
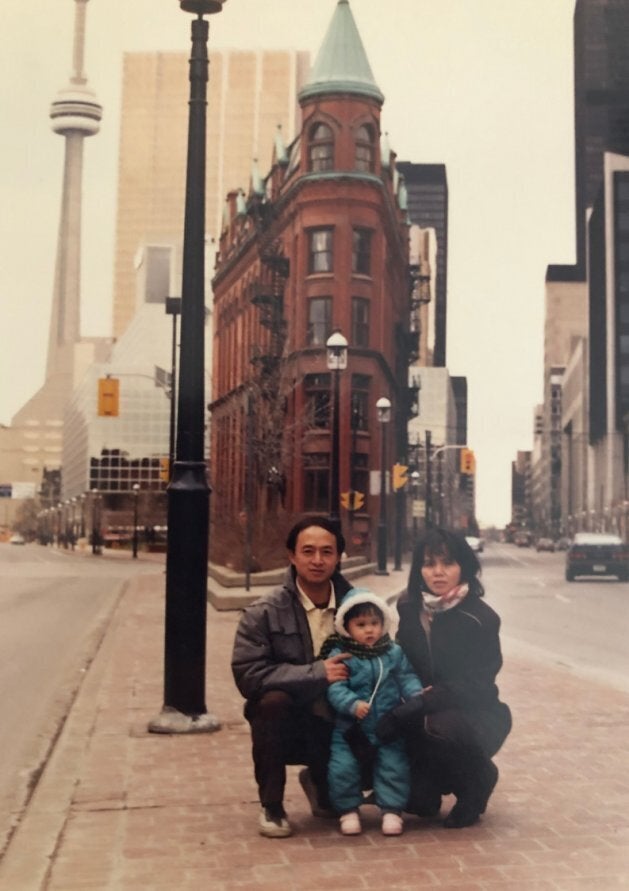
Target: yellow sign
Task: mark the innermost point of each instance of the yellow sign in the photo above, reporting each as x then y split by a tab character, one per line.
108	397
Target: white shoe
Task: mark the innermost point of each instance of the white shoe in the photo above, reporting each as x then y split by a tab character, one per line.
272	823
350	824
392	824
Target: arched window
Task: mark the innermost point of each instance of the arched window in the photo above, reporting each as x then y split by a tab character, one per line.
364	148
321	148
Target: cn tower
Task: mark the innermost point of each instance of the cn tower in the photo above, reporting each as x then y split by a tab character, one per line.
75	114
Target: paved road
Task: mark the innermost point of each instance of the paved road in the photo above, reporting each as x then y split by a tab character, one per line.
584	623
54	608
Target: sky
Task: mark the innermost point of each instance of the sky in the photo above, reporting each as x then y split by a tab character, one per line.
483	86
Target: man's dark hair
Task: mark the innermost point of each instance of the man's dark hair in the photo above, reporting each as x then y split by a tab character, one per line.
363	609
329	525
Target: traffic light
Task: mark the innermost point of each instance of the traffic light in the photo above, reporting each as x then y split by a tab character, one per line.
108	397
399	476
468	461
352	500
164	469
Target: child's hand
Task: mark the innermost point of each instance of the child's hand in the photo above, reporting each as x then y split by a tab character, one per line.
362	709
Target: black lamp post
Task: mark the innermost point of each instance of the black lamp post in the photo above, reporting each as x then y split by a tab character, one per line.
383	405
184	707
136	495
415	494
336	346
96	547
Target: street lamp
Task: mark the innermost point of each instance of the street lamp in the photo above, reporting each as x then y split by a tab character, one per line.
336	346
415	492
383	406
136	493
184	709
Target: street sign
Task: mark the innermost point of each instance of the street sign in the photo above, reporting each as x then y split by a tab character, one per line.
419	508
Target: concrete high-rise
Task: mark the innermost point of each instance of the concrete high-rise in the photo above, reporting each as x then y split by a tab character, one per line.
250	94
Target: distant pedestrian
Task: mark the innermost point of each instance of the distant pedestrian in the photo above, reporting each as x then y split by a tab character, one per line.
380	677
275	668
451	637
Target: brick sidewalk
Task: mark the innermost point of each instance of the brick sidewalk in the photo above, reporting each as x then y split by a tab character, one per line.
119	808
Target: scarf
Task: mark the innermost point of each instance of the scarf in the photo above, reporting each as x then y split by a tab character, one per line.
347	645
434	604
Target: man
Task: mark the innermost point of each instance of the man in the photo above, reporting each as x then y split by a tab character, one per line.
276	670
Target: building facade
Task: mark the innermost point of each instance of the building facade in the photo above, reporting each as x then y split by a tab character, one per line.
320	244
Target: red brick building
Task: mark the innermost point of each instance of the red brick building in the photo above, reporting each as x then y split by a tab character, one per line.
321	243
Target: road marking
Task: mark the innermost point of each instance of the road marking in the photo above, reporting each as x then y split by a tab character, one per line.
563	598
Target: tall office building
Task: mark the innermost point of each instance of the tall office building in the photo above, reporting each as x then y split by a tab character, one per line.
427	188
601	98
250	94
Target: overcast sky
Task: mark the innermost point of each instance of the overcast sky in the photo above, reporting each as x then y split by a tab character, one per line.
484	86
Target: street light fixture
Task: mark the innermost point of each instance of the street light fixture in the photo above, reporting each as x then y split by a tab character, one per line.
383	406
184	709
136	494
336	346
415	491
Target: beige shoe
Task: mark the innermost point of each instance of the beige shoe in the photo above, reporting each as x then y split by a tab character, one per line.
350	824
392	824
272	823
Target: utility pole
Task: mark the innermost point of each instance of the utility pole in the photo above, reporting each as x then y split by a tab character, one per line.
428	481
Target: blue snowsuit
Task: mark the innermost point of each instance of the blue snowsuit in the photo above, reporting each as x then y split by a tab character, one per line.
391	781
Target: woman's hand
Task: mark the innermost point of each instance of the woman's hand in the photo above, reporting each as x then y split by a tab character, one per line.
362	709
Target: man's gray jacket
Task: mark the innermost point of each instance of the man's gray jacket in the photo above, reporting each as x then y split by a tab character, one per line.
273	647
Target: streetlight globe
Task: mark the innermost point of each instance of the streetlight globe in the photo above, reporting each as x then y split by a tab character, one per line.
136	488
383	406
336	345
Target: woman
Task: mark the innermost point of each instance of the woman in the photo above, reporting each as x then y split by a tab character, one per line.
451	638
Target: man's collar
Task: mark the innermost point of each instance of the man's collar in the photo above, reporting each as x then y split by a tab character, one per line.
307	603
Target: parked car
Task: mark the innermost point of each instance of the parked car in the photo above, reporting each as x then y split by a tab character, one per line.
17	539
545	544
562	544
597	553
475	543
522	539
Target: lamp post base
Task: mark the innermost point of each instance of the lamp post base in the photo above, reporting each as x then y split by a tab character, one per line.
172	721
381	572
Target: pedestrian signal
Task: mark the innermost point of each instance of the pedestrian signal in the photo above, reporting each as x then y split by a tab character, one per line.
164	469
468	461
108	397
399	476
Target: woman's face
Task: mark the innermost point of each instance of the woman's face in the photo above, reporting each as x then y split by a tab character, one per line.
440	573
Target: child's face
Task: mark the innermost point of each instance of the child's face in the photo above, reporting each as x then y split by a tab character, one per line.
366	629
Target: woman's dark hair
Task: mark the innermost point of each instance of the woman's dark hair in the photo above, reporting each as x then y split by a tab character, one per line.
443	543
362	609
329	525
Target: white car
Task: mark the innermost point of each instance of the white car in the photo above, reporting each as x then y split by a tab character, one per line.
475	543
17	539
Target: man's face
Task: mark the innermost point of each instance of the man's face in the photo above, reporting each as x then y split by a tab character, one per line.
315	555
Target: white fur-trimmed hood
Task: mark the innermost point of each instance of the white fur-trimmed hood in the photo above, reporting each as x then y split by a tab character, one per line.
362	595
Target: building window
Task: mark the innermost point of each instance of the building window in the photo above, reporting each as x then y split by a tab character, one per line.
320	257
360	475
361	251
316	481
364	148
360	401
319	320
321	148
360	322
317	392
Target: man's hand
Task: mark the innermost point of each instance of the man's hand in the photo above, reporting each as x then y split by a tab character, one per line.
362	709
335	668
